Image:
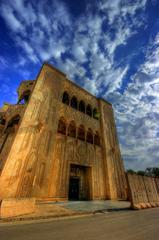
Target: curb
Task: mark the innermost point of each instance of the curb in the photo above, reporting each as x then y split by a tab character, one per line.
22	218
76	214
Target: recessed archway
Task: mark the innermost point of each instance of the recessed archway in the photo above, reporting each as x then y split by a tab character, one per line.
25	97
72	129
81	133
62	126
89	110
89	137
65	98
82	107
74	103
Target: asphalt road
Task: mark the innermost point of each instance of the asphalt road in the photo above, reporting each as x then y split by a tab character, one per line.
125	225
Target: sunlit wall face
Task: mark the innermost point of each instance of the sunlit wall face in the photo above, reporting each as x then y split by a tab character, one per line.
108	47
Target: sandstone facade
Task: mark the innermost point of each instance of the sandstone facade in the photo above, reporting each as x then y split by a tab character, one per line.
59	142
12	207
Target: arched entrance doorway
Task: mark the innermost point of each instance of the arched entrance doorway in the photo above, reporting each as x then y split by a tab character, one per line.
80	187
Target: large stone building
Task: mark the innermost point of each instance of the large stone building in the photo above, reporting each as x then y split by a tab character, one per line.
59	142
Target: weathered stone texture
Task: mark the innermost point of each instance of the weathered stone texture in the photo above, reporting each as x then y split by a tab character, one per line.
41	160
157	184
142	191
12	207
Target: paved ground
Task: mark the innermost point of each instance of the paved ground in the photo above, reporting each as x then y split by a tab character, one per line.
116	225
95	205
45	209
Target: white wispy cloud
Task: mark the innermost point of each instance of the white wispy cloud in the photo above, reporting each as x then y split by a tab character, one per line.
86	47
13	23
3	63
137	113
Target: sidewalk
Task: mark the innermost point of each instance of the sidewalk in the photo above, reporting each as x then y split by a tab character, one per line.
97	205
46	210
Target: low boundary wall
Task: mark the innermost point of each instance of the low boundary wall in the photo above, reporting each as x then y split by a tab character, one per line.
157	184
12	207
143	192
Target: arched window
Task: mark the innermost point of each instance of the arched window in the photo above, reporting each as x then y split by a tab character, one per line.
81	133
90	136
74	102
10	131
65	98
95	114
89	110
62	126
12	124
25	97
97	139
72	129
14	121
82	107
2	121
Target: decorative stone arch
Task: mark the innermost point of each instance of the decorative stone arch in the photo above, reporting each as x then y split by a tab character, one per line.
13	123
89	137
82	106
72	129
97	139
62	126
66	98
10	130
81	133
2	120
89	110
74	102
25	97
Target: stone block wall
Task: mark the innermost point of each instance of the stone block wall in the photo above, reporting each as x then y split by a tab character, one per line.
142	191
157	184
13	207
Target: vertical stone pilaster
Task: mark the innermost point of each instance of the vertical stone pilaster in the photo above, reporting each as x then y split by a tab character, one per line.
105	146
20	174
114	169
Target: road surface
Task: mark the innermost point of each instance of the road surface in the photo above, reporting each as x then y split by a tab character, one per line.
118	225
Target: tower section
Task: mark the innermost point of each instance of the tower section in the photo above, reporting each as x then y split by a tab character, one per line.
27	168
114	168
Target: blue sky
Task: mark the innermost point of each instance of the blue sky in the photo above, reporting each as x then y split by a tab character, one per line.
109	47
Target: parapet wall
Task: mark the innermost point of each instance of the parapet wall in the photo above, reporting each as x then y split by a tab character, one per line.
143	192
13	207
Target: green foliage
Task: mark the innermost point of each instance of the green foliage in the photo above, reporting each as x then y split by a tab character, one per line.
140	172
150	171
131	171
156	172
